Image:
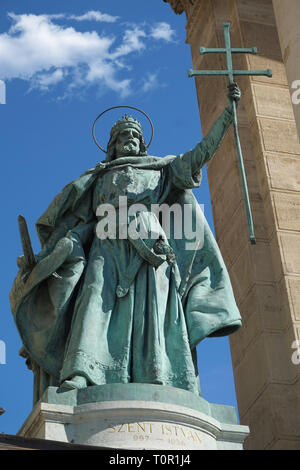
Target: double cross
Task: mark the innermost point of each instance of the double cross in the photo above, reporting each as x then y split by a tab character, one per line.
228	50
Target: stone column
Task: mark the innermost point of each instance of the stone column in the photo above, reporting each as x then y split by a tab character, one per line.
266	276
287	15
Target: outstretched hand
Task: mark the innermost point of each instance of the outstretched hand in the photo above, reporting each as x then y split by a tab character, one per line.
234	93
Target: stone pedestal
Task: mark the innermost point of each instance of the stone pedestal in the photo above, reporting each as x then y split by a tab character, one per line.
135	416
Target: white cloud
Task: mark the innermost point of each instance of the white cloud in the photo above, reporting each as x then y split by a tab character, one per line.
131	42
45	53
46	80
150	82
163	31
93	15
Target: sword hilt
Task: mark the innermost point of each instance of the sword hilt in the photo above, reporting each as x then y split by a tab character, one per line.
29	258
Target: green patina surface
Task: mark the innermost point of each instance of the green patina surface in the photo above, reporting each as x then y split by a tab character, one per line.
140	392
95	311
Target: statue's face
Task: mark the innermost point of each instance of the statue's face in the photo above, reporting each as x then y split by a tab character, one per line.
128	142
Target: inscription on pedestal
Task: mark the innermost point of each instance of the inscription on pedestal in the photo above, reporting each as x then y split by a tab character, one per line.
174	435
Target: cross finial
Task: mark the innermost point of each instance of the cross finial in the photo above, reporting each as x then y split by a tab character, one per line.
228	50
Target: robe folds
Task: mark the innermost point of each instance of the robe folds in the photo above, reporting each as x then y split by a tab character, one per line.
116	311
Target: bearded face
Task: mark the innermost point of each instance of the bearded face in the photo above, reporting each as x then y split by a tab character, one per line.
128	142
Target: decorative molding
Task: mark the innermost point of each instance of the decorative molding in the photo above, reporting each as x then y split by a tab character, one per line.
179	6
176	6
194	10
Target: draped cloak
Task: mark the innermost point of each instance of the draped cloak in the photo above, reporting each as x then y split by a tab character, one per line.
116	312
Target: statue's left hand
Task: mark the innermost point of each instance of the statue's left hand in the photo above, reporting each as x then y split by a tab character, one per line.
25	270
234	93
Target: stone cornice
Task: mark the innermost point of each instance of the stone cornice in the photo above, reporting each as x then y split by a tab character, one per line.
179	6
194	10
176	5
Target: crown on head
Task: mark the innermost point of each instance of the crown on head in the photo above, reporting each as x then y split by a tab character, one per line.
124	123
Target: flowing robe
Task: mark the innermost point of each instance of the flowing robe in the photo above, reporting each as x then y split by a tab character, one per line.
120	313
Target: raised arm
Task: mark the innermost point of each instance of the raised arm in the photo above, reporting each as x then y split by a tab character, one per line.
207	148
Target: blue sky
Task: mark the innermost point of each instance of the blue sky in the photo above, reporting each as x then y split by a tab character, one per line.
64	63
